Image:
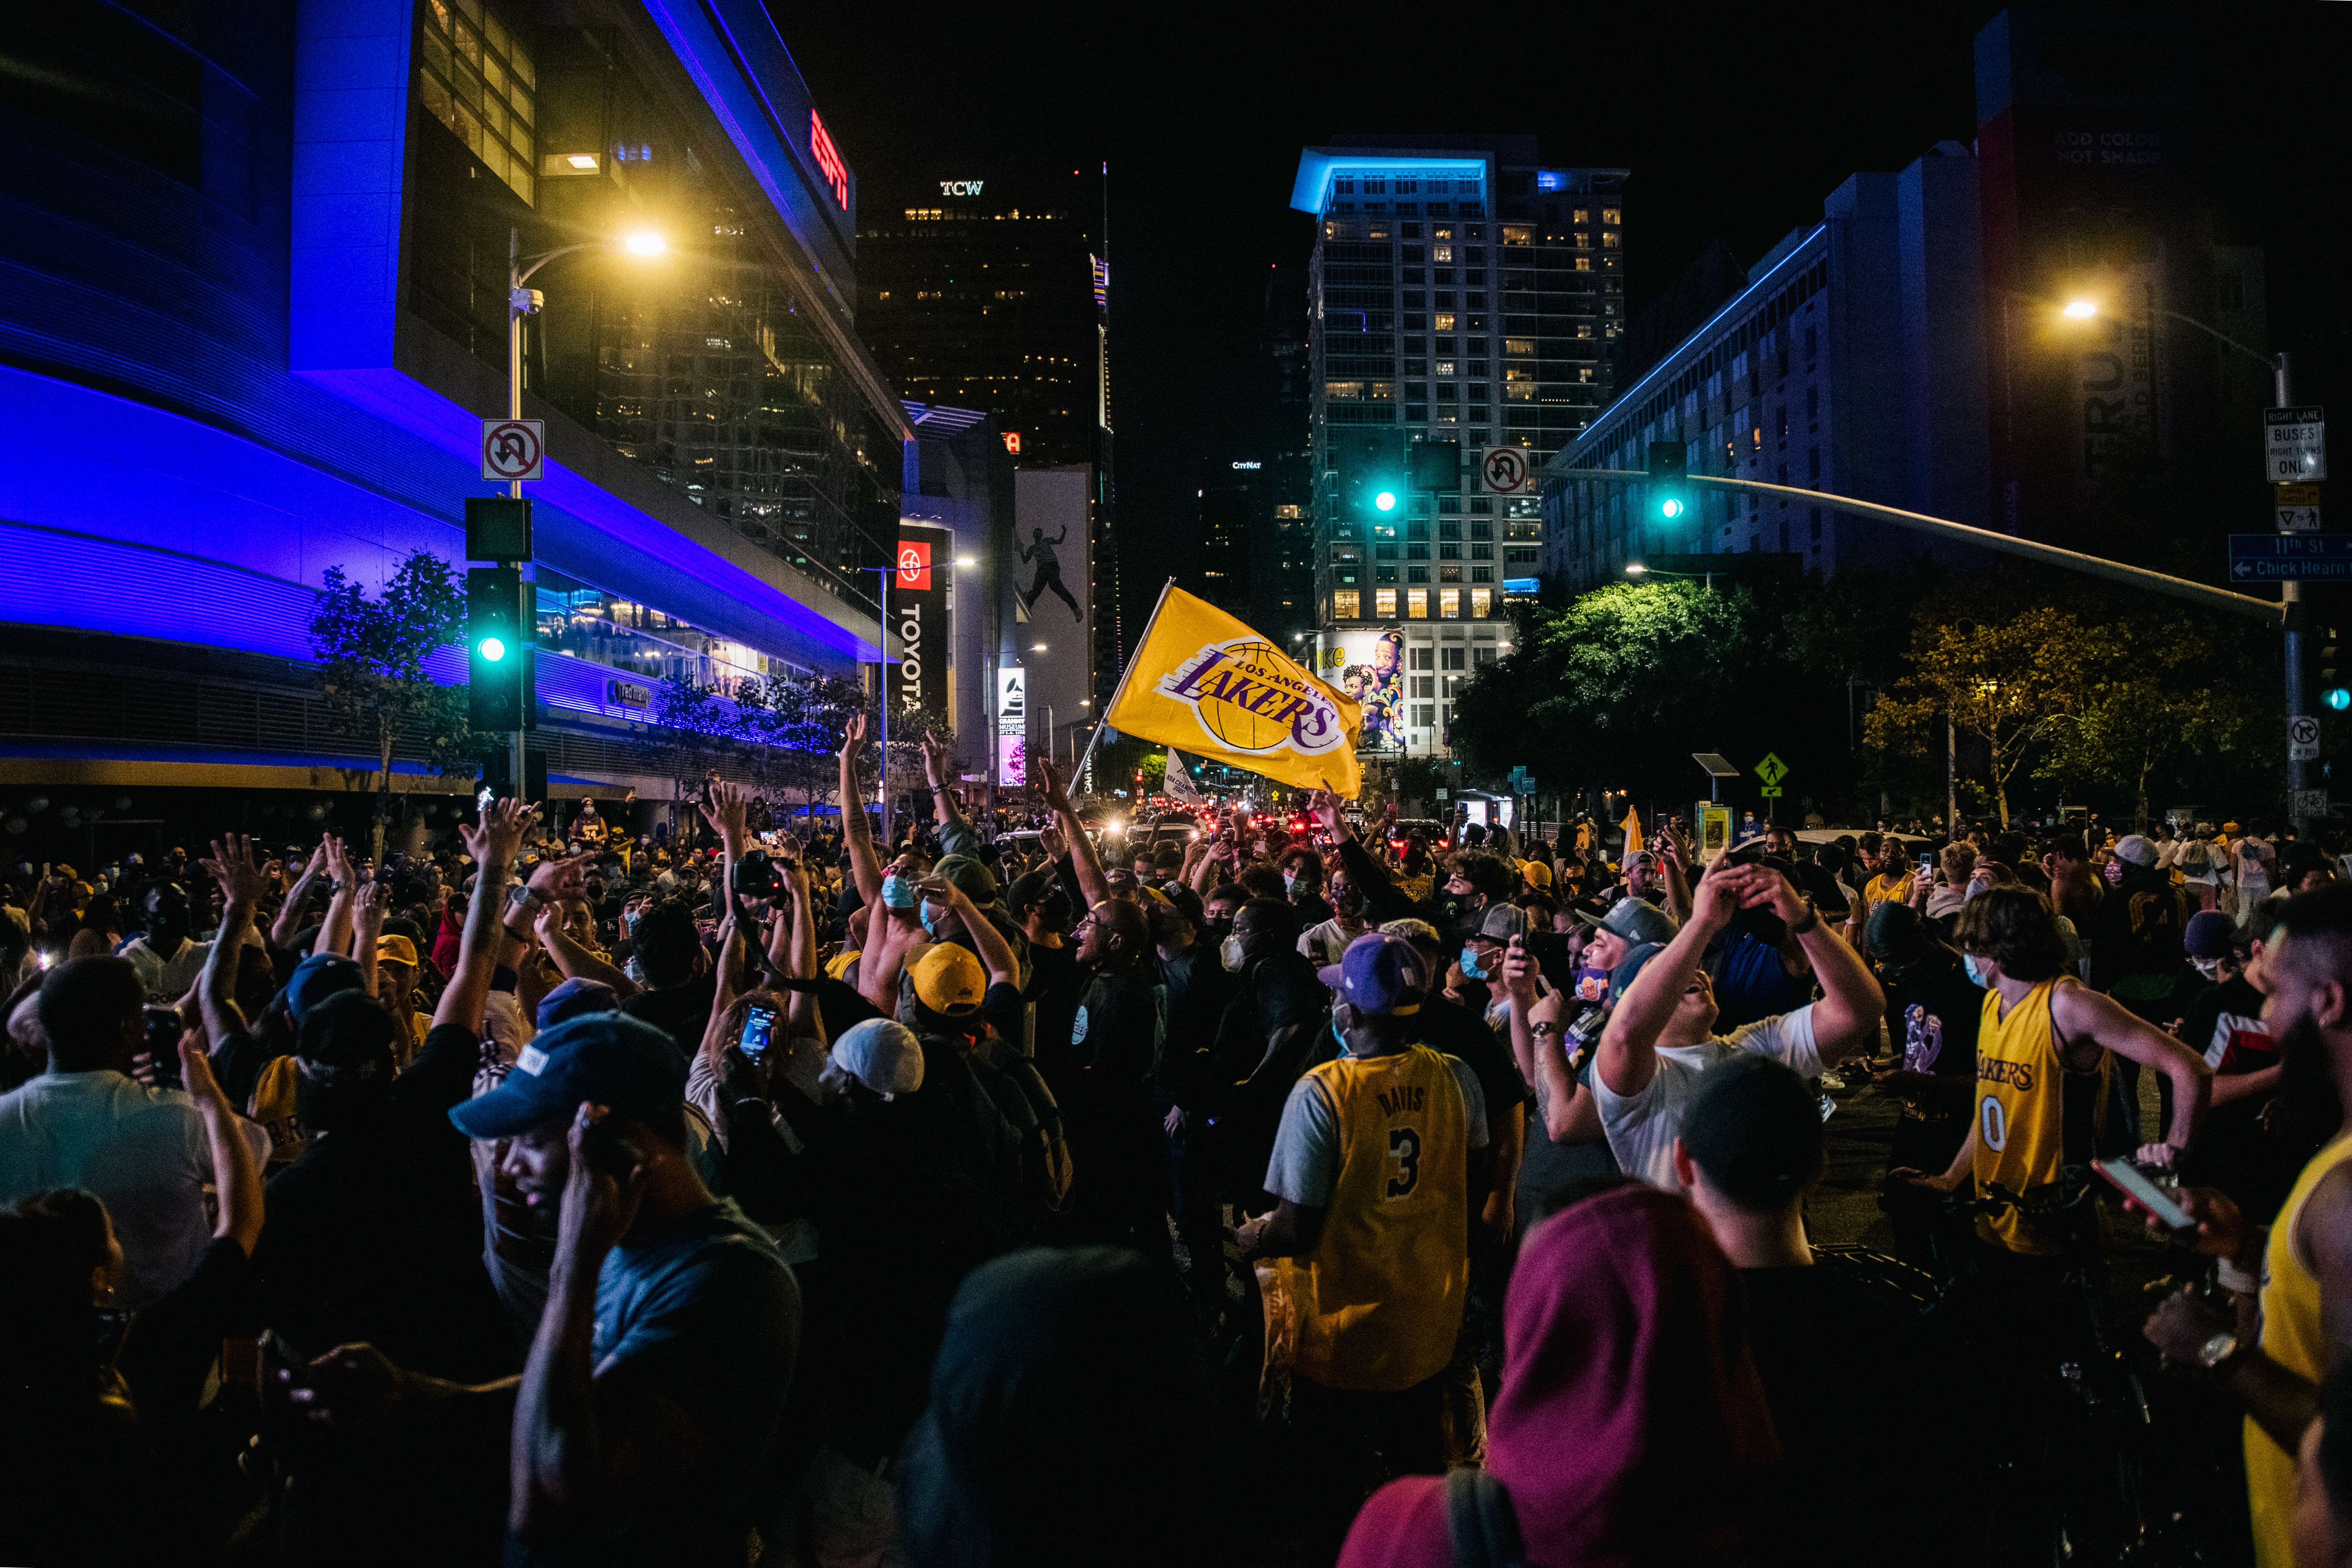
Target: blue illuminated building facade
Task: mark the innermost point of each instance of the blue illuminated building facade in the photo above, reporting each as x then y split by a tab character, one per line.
252	322
1853	363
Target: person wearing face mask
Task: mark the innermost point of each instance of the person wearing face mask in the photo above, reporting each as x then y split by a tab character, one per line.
1042	905
1274	1026
167	961
1302	884
892	936
2224	1025
1933	1010
1323	944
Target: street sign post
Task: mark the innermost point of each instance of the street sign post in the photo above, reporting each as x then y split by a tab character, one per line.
514	449
2302	739
1771	770
2295	445
2297	507
2310	803
2290	557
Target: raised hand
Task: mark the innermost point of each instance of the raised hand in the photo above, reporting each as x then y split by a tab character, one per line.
852	737
339	864
375	904
935	759
233	865
726	807
1053	843
1054	787
1520	969
494	840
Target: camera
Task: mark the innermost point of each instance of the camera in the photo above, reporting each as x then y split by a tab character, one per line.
756	876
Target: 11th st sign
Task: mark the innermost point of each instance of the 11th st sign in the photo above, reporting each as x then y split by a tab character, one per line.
2290	558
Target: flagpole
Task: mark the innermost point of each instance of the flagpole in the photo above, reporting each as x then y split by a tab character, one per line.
1079	768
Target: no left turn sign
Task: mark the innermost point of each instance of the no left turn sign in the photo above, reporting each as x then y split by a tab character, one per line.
514	449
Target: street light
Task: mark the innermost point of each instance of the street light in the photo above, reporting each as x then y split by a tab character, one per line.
645	243
2081	310
1036	648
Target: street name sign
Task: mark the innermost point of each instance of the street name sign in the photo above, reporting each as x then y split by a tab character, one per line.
2290	557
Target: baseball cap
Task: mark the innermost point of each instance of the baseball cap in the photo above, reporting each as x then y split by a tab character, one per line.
395	949
2210	934
2137	847
949	980
1895	931
1633	919
1636	960
318	977
615	1060
1501	922
1029	889
574	996
1756	1130
969	877
1379	973
1537	874
883	1055
347	1032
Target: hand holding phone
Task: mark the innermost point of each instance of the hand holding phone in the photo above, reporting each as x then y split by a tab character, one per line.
759	1028
2134	1183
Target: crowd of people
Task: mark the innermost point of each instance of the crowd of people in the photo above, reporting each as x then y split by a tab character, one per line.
1281	1190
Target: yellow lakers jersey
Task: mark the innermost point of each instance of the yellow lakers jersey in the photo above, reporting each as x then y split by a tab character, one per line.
2021	1110
1381	1294
2294	1337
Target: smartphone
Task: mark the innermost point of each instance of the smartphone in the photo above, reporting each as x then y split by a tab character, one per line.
160	1034
1926	862
759	1023
2137	1184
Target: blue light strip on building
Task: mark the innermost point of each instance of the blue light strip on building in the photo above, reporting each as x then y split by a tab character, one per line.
1313	185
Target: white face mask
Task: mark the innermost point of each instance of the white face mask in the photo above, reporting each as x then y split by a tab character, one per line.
1229	953
2211	968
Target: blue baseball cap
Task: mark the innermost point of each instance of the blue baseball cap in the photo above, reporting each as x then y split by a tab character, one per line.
619	1062
318	977
1379	973
574	996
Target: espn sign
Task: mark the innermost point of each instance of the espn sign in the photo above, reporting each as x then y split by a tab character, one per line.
828	159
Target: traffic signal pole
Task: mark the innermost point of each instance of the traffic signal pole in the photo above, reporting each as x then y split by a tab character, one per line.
2294	616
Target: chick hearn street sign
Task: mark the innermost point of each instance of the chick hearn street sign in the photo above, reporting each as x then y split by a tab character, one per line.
2290	557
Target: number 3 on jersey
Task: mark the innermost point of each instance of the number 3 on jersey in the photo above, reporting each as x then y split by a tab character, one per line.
1404	1148
1992	1123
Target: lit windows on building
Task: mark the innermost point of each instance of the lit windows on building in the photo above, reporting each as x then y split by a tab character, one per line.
1449	603
1384	602
1416	603
477	78
1347	604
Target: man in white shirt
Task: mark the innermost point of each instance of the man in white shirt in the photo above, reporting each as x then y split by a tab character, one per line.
1660	1040
86	1124
167	961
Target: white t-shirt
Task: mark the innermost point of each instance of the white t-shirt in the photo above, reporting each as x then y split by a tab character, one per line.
1642	1128
1325	943
167	979
143	1151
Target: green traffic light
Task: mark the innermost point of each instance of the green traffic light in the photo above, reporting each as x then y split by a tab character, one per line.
2339	699
1385	501
1670	509
491	650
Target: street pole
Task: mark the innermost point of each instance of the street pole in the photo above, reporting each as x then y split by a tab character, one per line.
518	306
1951	779
2294	617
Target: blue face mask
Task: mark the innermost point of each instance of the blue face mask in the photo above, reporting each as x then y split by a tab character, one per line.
1976	976
1470	970
930	922
898	894
1337	1037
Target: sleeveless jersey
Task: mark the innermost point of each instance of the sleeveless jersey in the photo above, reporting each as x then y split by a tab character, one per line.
1381	1294
2294	1337
2021	1140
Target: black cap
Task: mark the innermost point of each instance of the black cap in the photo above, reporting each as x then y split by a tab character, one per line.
1755	1129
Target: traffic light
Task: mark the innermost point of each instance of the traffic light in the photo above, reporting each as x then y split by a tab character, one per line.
1670	493
1436	465
2331	689
1372	475
497	651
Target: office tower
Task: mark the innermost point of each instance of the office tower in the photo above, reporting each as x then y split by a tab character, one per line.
1459	290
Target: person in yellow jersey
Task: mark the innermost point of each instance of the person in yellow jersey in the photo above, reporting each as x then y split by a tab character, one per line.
1374	1164
2043	1062
2272	1362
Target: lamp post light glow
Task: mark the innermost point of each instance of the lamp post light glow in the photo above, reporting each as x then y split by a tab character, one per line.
1635	569
2080	309
645	243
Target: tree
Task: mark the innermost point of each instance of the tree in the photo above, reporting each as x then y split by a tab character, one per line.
2006	681
2157	691
374	680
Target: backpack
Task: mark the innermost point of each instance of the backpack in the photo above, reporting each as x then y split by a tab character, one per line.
1040	1149
1479	1517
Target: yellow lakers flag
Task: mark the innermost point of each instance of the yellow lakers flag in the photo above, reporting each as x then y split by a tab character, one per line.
1205	683
1632	826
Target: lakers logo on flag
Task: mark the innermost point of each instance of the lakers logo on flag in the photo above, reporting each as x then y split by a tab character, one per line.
1218	688
1241	697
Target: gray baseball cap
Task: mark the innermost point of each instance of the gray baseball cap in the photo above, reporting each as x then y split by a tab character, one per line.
1635	920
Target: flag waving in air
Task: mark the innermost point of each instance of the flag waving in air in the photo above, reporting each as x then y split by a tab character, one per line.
1207	682
1178	785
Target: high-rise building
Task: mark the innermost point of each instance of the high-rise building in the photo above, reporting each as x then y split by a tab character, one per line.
1458	292
1282	552
988	291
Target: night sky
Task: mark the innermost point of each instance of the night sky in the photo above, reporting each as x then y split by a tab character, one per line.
1734	120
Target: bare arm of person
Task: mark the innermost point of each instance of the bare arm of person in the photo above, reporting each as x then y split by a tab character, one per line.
1092	883
1852	1003
237	1174
2082	1014
857	834
234	869
492	843
298	899
1628	1056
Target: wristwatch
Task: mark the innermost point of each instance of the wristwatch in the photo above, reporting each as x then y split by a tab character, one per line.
2217	1353
1812	918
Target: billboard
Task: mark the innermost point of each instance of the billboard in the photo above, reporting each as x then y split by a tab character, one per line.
1367	663
1048	618
1012	726
919	614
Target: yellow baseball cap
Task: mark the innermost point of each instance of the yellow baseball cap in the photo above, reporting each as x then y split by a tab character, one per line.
949	980
395	949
